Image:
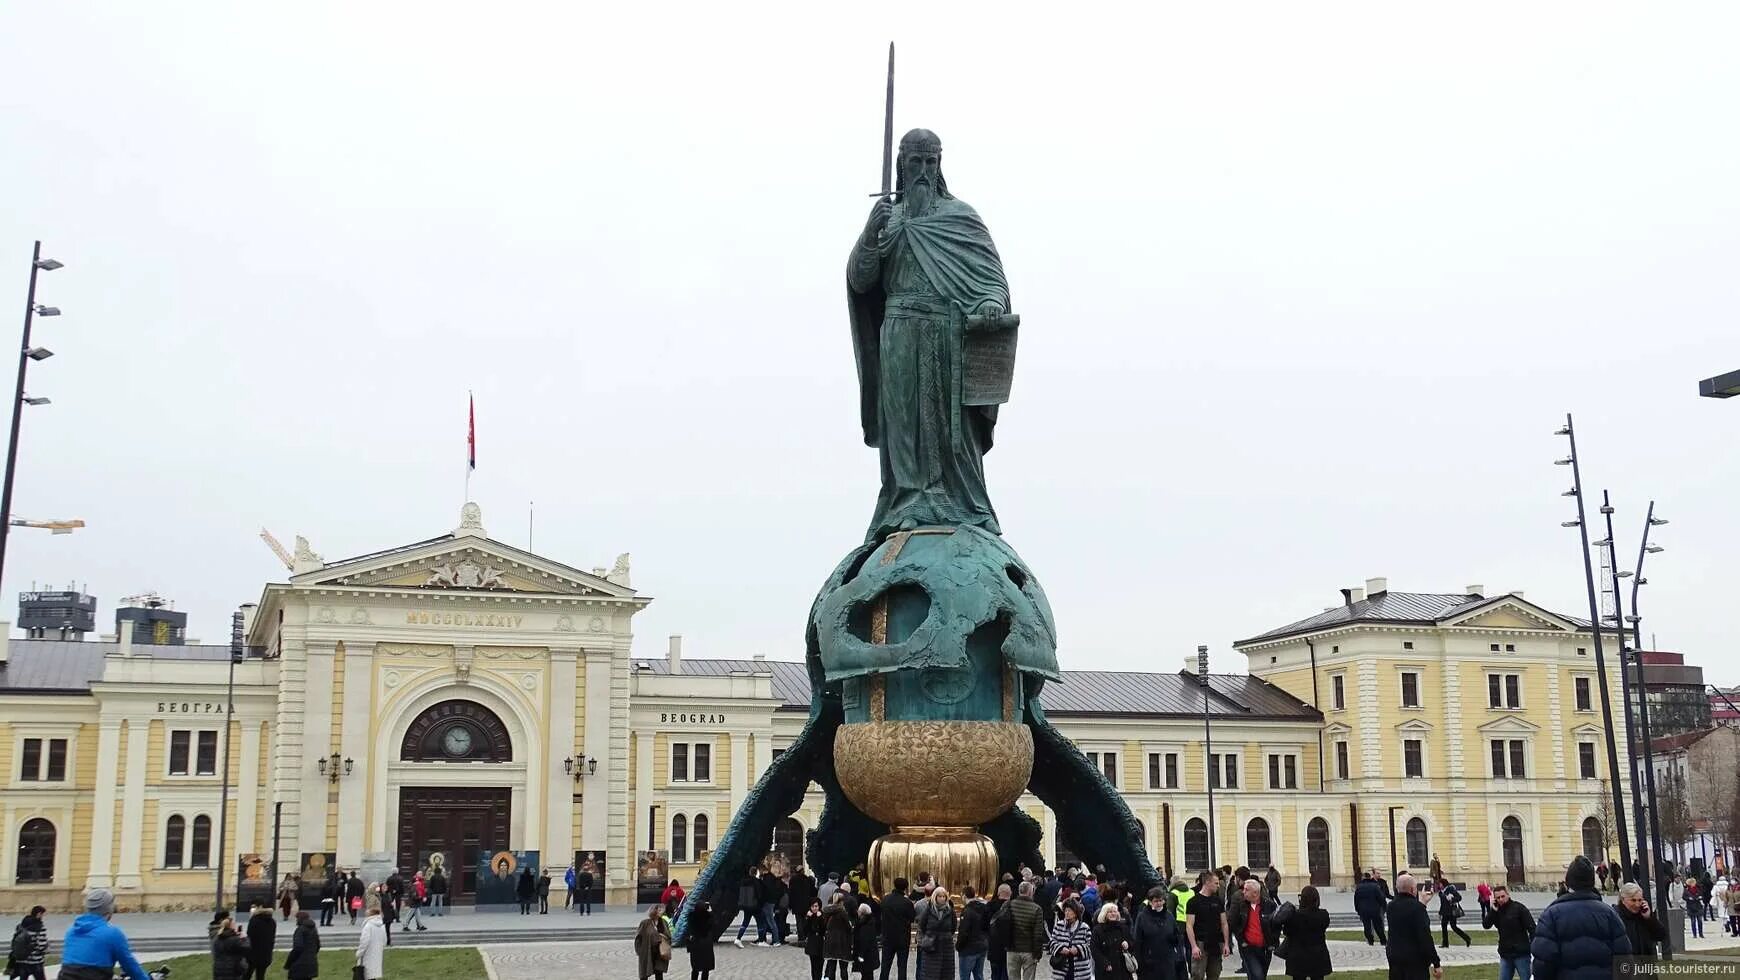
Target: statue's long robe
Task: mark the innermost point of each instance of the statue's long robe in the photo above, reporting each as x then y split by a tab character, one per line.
907	293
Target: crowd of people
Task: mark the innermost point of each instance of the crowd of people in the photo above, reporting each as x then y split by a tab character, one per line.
1083	926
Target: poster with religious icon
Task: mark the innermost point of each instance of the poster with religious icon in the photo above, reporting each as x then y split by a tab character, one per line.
253	881
591	862
313	872
498	877
651	876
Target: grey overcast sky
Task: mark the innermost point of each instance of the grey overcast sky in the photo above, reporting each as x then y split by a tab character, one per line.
1305	288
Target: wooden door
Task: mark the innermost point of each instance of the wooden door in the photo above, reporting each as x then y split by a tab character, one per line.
461	824
1317	850
1511	831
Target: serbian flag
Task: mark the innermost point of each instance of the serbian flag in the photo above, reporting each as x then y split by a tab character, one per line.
471	431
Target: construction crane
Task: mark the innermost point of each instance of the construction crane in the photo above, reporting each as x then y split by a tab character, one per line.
53	527
277	549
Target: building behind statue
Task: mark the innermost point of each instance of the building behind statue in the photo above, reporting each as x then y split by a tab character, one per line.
464	699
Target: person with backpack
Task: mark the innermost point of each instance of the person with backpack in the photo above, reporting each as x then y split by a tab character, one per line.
29	950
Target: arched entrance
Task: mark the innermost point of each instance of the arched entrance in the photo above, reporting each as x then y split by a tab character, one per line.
1257	856
788	841
1511	832
1317	850
454	826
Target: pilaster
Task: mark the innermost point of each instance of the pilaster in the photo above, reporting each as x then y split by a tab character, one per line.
596	817
353	734
102	873
307	832
643	791
620	867
763	755
133	804
1371	748
740	764
289	761
558	843
248	790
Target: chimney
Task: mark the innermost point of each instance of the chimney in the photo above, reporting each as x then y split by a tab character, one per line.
5	642
1353	595
1377	586
759	658
126	637
1476	589
676	653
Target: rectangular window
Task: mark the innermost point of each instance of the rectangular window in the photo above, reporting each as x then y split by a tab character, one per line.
1292	772
1274	771
1494	697
1497	759
1513	690
1231	761
1214	770
1154	778
207	754
1338	692
1341	767
180	746
1584	702
1586	760
30	761
1407	644
1413	761
1517	770
1171	770
56	760
1504	690
1410	689
679	762
1109	766
704	761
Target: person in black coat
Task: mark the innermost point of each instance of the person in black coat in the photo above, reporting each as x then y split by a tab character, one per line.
798	892
1154	937
1411	952
303	962
229	952
864	935
354	894
1643	930
1369	901
814	930
527	890
1111	940
898	914
262	933
749	900
700	941
1516	930
837	928
1303	928
1578	935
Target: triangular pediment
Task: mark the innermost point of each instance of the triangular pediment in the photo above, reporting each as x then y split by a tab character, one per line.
1588	730
1509	725
1414	725
468	564
1336	729
1511	613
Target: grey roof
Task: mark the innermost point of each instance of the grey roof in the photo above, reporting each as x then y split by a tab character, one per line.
1398	608
71	667
1082	693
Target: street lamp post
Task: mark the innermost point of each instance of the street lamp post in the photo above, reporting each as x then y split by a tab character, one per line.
1582	526
224	792
26	354
1208	767
1395	862
1636	620
1626	686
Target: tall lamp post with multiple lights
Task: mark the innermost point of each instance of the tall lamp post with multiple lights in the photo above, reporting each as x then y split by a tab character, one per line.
1208	767
1635	620
26	354
1582	526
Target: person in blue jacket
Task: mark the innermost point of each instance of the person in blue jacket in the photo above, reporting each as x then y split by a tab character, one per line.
94	947
1578	935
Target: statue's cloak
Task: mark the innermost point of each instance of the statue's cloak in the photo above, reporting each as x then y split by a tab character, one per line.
954	250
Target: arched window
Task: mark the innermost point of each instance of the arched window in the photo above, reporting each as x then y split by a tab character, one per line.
1592	848
174	841
788	839
1511	832
1257	844
36	852
701	841
1419	854
201	856
679	839
1196	844
457	731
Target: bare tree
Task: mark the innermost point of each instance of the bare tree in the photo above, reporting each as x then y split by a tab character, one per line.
1674	814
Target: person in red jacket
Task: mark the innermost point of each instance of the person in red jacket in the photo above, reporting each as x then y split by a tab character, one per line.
673	891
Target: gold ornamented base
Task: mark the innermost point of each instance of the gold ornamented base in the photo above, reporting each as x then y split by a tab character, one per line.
954	856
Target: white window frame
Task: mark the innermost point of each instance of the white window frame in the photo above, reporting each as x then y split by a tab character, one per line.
1588	682
1594	757
1280	770
1157	768
188	817
1423	774
23	732
192	772
687	748
1099	758
1504	677
1338	691
1228	762
1510	773
1419	689
1343	758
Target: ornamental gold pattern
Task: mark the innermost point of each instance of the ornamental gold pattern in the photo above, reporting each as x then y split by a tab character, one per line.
933	773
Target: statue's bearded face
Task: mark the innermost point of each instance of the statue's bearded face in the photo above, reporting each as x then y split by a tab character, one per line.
922	167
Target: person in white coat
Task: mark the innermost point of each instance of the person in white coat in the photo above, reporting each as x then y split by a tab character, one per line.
371	946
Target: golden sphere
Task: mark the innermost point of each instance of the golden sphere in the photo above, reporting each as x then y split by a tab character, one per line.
933	773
